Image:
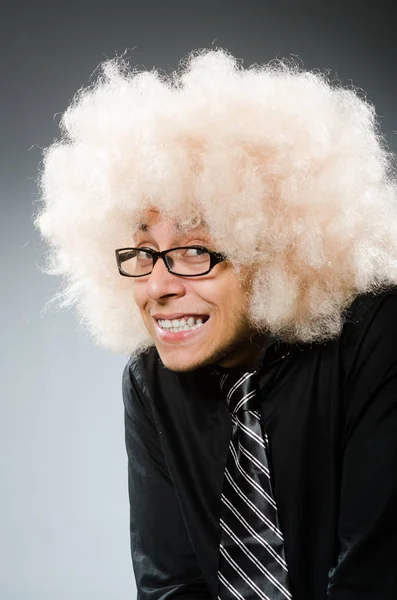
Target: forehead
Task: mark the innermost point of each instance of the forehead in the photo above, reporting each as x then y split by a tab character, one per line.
154	223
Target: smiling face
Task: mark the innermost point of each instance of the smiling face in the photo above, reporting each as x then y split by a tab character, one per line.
210	308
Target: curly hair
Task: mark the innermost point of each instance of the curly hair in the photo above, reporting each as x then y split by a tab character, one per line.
287	169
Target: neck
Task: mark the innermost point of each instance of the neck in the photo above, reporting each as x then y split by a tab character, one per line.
251	356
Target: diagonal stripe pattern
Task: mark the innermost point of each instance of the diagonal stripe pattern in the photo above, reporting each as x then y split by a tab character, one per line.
252	561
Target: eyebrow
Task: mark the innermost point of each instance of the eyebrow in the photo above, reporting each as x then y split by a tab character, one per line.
144	228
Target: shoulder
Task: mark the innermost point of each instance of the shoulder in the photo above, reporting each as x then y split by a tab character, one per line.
140	367
369	338
371	317
369	304
138	371
148	382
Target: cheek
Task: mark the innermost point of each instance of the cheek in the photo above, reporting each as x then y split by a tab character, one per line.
238	305
139	295
234	296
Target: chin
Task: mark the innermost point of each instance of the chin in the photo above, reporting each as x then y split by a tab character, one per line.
182	365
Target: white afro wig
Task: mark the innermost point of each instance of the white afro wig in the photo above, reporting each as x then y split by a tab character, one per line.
288	171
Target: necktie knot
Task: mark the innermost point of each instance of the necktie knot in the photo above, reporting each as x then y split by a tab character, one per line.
239	390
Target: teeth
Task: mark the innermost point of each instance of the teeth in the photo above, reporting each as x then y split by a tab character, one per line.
184	324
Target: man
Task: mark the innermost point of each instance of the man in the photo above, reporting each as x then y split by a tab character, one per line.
253	215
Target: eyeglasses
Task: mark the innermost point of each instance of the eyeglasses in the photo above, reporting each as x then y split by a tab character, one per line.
187	261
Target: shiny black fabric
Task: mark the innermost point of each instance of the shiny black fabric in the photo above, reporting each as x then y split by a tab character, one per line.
330	411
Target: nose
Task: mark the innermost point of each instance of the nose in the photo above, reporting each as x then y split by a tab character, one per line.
162	283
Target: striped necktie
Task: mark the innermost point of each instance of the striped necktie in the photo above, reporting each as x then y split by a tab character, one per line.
251	553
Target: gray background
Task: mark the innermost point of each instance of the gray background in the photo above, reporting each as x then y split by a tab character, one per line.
63	501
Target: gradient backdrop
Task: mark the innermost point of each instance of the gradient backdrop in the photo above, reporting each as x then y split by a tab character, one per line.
64	531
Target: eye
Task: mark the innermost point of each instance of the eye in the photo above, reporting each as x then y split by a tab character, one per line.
193	252
143	254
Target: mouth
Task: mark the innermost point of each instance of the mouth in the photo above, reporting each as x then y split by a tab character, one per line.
179	328
183	323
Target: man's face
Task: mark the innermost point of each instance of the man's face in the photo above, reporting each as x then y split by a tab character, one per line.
218	299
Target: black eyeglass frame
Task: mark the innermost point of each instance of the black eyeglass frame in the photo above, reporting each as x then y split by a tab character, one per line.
215	258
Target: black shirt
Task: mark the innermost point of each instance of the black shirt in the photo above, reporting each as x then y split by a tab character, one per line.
330	411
